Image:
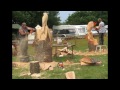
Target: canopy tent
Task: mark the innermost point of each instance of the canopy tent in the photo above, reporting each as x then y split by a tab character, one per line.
15	26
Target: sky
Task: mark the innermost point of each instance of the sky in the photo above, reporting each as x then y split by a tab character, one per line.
64	15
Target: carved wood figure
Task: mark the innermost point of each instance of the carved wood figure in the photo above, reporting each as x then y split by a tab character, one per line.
91	41
43	41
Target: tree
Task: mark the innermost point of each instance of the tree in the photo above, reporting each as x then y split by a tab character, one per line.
53	18
32	18
83	17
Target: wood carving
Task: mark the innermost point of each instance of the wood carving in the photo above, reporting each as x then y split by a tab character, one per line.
89	37
43	41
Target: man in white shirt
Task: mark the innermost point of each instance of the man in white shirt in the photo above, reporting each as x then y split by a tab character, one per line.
101	30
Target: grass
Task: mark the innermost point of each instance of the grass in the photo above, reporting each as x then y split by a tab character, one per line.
81	72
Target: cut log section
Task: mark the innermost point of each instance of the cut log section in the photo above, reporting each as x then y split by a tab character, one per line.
70	75
34	67
43	52
43	42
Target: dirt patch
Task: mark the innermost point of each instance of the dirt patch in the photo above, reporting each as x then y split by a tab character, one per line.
90	53
65	52
43	65
20	64
67	62
46	65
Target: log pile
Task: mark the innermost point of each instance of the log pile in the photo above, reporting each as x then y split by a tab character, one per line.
66	51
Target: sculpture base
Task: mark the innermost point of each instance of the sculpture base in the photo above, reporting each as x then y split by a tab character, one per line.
91	47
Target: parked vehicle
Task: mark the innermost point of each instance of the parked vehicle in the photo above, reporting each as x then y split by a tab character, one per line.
69	31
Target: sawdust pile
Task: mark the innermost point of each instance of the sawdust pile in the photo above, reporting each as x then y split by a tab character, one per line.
66	51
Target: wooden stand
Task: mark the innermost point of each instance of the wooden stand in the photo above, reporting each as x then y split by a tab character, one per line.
34	67
91	47
43	51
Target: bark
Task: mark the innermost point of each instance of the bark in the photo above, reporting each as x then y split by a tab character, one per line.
43	42
34	67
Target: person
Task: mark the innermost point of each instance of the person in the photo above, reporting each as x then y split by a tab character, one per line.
101	30
23	36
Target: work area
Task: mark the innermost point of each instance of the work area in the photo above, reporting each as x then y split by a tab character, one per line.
59	52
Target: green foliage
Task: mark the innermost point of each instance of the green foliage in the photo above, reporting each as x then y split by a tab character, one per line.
32	18
53	18
83	17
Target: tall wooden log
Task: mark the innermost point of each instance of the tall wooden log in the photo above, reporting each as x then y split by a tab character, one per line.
43	51
43	42
91	41
34	67
91	47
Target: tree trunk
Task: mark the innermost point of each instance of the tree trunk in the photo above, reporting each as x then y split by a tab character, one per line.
43	51
91	47
34	67
43	42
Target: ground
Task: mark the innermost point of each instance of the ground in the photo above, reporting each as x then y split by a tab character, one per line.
81	72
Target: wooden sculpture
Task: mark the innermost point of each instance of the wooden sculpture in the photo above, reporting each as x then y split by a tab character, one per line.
91	41
43	41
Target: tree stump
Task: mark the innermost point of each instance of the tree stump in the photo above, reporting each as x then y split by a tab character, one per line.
34	67
91	47
43	51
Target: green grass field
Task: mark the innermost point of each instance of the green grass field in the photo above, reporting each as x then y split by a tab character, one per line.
81	72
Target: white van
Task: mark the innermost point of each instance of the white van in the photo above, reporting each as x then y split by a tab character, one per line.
81	31
72	30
